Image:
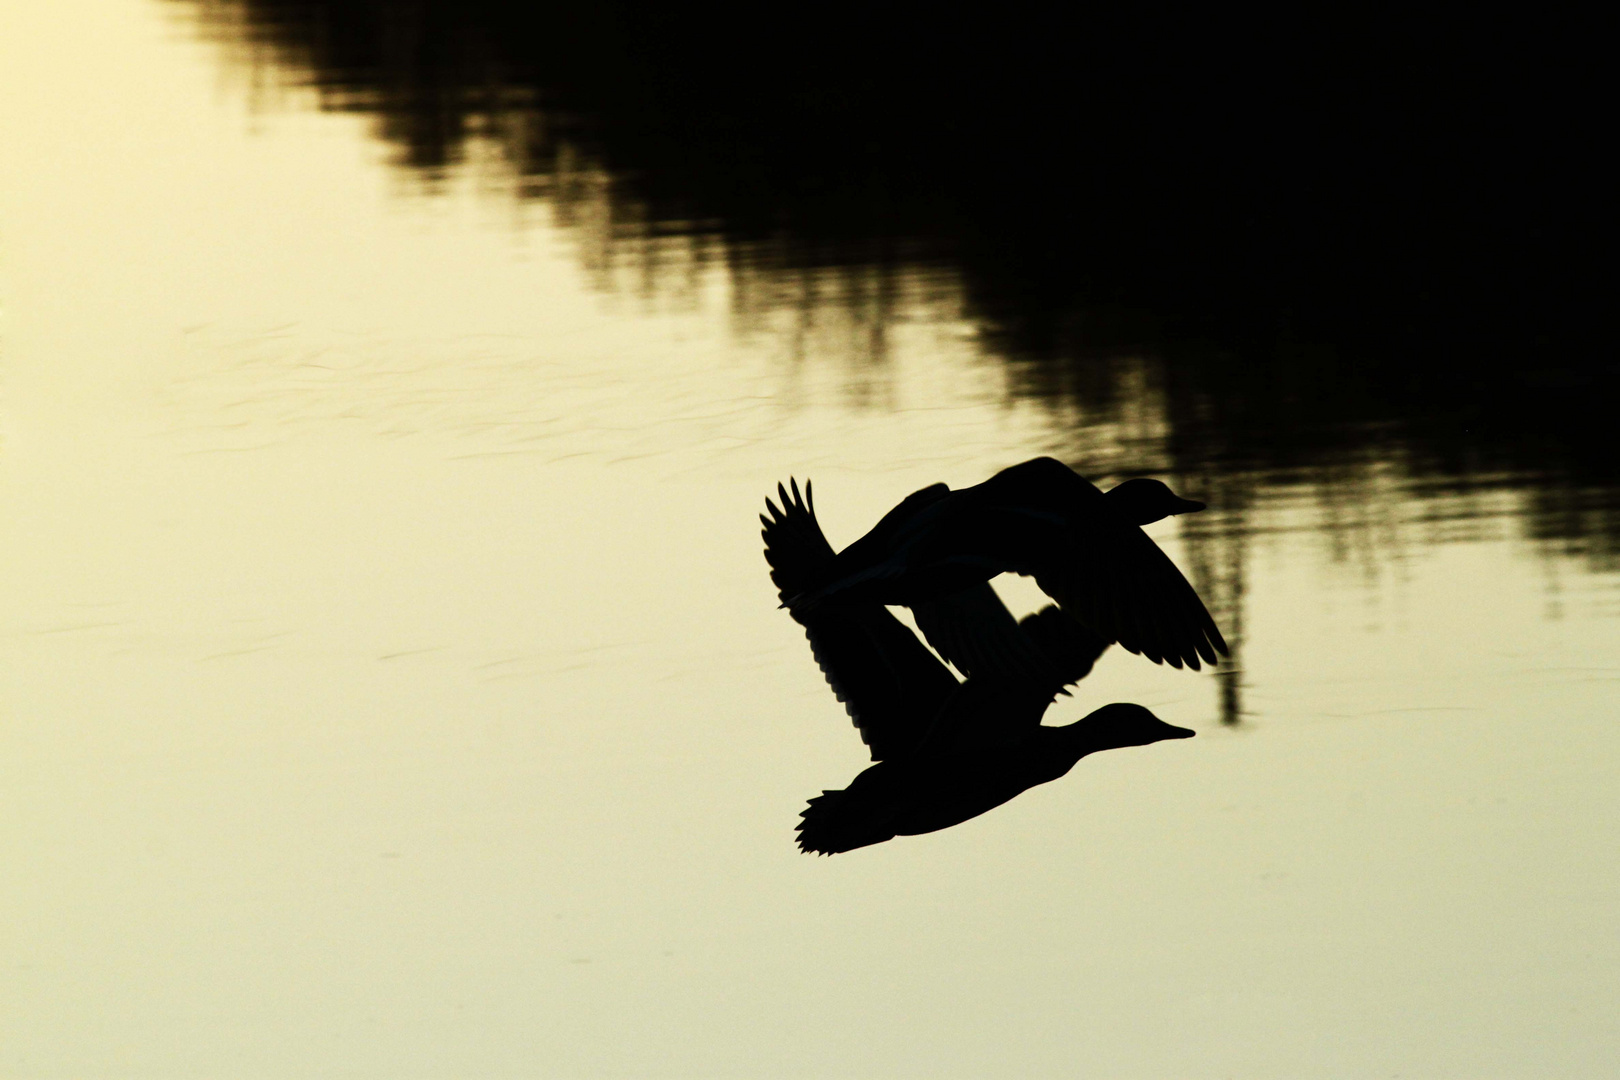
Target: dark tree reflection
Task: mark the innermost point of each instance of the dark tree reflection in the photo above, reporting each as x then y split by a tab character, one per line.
1331	241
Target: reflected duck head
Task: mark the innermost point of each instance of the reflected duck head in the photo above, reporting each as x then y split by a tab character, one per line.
1123	724
1142	501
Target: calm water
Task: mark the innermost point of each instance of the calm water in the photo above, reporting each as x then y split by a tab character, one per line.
393	685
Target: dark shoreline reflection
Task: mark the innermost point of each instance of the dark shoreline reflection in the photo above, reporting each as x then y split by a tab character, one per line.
1317	247
1098	178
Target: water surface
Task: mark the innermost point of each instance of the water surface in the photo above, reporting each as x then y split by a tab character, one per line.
393	684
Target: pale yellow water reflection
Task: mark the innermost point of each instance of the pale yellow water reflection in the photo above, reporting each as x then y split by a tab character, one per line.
393	684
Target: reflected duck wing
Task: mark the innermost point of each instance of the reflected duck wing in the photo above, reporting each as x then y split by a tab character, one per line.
974	630
1119	584
1019	668
889	683
1068	645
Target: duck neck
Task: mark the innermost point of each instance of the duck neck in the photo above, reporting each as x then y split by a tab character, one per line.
1071	742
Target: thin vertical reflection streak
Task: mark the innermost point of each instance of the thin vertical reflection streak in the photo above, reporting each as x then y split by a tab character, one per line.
1217	546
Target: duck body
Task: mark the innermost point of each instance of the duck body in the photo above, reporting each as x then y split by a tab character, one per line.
944	785
912	797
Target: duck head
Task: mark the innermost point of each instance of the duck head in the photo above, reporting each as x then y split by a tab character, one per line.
1142	502
1122	724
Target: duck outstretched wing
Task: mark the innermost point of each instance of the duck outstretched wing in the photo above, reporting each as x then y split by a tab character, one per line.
890	684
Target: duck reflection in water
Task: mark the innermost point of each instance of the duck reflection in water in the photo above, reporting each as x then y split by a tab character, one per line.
1084	548
946	751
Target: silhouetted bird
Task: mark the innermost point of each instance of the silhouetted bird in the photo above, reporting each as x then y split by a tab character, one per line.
1084	549
946	751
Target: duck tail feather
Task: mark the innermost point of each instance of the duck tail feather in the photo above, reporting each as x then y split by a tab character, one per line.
833	823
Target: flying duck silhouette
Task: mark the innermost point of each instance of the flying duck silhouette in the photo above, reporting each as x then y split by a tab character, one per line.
946	751
1084	548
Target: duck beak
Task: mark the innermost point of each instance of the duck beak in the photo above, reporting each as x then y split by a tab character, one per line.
1187	506
1180	732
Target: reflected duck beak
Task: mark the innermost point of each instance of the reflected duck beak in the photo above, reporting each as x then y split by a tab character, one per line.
1180	732
1187	506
